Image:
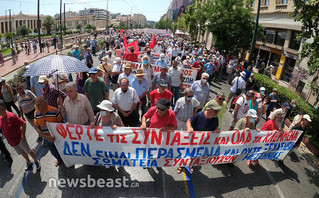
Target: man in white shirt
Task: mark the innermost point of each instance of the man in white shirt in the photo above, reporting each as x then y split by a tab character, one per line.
158	48
177	80
241	108
237	84
127	74
125	100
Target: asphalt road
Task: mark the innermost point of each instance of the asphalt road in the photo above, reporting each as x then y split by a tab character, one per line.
299	177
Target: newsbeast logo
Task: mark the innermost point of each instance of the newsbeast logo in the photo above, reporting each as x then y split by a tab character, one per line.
92	183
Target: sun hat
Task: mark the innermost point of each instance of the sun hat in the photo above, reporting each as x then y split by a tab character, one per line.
106	105
139	72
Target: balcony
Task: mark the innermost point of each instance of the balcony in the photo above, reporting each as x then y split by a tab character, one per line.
263	8
281	7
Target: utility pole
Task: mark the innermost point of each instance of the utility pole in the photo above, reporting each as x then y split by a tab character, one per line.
131	18
254	34
61	43
10	25
64	20
107	16
127	21
39	27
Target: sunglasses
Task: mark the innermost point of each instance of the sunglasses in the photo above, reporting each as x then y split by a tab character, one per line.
123	85
221	99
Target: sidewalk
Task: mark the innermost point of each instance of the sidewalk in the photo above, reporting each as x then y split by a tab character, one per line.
22	57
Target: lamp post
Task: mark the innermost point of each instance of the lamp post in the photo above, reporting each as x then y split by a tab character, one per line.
61	43
39	27
254	34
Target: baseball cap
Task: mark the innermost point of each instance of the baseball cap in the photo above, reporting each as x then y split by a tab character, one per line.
243	74
307	117
2	79
213	105
93	70
163	103
252	113
162	82
262	89
286	104
42	79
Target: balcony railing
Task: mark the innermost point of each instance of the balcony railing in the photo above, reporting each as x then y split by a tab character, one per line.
263	8
281	7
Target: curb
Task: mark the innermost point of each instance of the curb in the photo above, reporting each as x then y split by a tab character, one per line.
310	155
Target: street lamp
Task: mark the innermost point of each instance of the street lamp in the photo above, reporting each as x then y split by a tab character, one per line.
254	34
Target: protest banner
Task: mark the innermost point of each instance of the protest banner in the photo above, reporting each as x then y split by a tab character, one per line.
79	144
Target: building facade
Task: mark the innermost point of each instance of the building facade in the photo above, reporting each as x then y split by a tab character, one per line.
72	22
18	20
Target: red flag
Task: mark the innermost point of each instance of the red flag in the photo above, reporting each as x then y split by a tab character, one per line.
121	31
135	45
152	44
124	42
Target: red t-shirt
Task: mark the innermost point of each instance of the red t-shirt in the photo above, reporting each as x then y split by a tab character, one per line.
157	121
130	57
270	125
197	64
156	96
11	128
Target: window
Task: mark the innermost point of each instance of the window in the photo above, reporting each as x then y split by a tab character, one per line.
265	2
69	24
280	38
281	1
287	70
294	42
270	35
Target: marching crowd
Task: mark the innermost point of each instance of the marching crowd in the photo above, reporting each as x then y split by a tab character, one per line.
143	98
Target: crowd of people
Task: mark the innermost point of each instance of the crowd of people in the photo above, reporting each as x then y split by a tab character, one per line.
143	98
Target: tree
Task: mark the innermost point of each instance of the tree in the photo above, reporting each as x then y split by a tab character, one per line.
8	36
22	30
231	24
35	30
78	26
307	13
47	23
181	23
90	27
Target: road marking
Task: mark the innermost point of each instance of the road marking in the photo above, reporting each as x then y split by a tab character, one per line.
188	178
185	181
272	179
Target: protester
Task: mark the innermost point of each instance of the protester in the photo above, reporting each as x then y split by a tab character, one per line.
141	87
95	89
88	57
76	107
43	115
241	108
238	85
185	108
127	74
272	102
77	52
80	80
250	82
160	117
35	86
94	44
187	63
148	69
6	156
220	99
125	100
160	92
201	90
130	56
275	122
204	121
177	80
117	70
199	66
161	62
14	130
248	123
102	55
1	58
59	81
164	76
292	105
50	93
107	116
8	96
285	108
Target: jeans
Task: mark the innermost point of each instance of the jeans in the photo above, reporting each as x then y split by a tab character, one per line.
175	92
11	104
93	50
53	150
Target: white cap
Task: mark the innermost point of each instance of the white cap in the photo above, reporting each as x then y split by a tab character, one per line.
106	105
42	79
262	89
252	113
307	117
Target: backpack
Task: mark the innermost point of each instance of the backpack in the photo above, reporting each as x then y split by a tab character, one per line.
233	104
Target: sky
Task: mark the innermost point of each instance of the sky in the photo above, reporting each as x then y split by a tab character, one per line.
152	9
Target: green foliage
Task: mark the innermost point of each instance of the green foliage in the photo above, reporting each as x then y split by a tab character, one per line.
23	30
9	36
78	26
18	78
286	95
0	36
47	23
6	51
164	23
307	13
90	27
231	24
35	30
181	23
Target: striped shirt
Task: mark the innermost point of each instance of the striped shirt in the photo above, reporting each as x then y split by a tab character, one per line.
26	102
52	115
52	94
183	110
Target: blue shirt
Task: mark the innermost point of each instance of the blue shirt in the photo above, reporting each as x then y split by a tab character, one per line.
201	93
272	104
161	63
74	53
94	42
140	88
34	83
210	68
201	123
88	57
88	43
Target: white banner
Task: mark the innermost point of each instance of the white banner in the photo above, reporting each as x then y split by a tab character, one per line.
189	75
78	144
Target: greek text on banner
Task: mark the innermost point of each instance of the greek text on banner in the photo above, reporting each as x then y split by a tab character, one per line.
79	144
